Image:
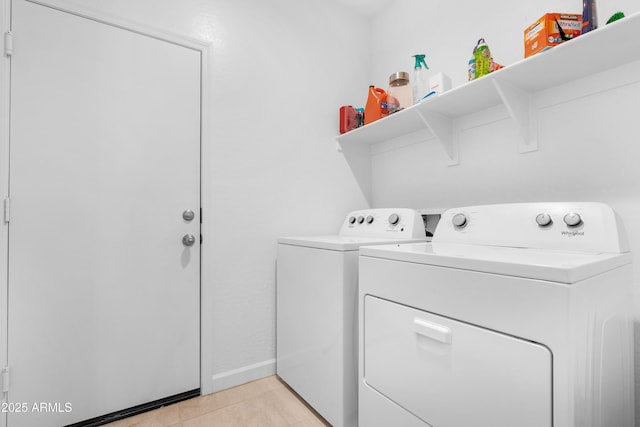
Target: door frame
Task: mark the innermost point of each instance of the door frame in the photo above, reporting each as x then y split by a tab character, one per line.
204	48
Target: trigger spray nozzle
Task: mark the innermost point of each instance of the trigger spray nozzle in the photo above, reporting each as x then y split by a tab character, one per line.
420	62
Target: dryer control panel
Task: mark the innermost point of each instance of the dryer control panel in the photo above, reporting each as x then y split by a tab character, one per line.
391	222
584	227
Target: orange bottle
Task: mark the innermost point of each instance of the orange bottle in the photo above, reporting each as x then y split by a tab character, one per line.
376	107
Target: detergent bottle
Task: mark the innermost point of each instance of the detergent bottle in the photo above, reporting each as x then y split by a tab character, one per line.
482	57
376	107
420	78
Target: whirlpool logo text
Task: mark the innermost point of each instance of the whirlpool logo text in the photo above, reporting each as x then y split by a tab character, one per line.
572	233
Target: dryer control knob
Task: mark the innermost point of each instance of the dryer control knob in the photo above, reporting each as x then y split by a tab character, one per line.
459	220
369	219
572	219
360	219
394	219
352	220
544	219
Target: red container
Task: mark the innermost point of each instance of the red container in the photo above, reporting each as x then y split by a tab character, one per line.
347	118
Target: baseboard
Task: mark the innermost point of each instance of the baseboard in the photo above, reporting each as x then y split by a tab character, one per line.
243	375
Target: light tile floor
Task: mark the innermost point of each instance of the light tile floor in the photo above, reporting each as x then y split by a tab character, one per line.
263	403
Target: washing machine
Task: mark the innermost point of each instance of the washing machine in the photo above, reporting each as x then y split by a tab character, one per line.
514	315
316	312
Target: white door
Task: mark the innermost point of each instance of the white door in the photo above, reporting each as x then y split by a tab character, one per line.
104	298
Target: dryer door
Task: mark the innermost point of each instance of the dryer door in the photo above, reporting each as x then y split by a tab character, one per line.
451	374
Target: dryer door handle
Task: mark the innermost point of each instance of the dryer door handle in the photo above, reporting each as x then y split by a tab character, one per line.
432	330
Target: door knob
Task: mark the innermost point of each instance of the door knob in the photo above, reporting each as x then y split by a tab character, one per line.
188	215
188	239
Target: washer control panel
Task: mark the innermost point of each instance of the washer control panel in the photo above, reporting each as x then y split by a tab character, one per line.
386	222
567	226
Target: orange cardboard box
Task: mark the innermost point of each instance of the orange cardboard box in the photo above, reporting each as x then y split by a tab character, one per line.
544	33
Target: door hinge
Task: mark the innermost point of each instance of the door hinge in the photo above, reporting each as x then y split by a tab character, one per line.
8	44
7	209
5	379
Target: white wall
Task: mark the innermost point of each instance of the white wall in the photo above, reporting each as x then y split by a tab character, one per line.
280	70
588	135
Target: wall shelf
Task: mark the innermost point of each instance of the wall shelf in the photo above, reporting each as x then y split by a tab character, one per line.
514	87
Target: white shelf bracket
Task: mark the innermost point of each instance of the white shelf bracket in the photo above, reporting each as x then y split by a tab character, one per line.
442	127
519	105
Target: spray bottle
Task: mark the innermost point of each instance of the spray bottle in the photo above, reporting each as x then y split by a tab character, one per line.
420	78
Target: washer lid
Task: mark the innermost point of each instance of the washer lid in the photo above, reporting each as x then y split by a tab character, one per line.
551	265
340	243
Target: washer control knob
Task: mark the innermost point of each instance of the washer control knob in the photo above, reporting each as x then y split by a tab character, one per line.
459	220
369	219
394	219
360	219
572	219
352	220
544	219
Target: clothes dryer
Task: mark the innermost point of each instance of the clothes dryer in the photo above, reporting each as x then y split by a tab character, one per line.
515	315
316	311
